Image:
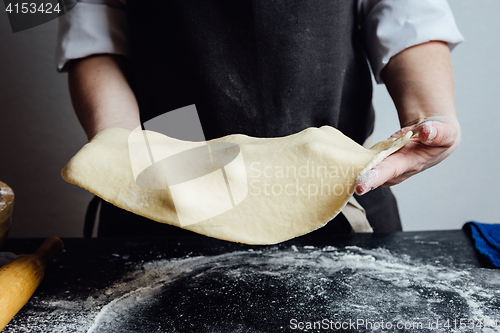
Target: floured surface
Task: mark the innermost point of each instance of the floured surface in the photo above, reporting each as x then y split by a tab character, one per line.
262	291
283	188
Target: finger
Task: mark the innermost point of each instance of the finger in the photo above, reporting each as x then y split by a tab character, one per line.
399	179
387	170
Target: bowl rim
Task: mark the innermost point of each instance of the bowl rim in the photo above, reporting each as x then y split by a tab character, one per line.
6	207
6	196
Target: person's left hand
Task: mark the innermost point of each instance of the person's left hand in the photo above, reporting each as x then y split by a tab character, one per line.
436	138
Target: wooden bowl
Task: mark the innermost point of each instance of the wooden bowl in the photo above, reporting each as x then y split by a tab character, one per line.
6	205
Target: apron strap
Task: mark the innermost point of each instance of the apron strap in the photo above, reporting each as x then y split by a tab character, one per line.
91	217
353	211
356	216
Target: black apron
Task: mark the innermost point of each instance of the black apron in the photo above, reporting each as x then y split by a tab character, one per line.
262	68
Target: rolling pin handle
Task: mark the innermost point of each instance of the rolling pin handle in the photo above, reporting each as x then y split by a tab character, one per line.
49	249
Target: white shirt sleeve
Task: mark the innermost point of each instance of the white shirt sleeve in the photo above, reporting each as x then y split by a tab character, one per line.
92	27
390	26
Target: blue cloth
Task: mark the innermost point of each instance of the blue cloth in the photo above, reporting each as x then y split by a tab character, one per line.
486	240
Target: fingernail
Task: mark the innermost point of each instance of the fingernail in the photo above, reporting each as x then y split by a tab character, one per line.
366	190
359	190
364	182
362	189
432	133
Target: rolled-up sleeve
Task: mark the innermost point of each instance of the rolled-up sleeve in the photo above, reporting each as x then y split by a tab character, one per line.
390	26
92	28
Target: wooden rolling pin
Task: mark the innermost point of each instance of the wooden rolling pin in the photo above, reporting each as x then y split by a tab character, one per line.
20	278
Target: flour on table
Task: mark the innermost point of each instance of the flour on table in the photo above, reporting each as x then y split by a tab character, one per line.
308	284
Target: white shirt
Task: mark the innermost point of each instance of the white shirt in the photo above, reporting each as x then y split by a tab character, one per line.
388	27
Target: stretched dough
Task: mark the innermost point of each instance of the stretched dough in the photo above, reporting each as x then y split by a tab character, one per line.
283	187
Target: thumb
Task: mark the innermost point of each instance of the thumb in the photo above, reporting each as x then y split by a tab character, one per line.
438	133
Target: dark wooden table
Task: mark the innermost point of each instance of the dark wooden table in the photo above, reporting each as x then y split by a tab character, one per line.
405	281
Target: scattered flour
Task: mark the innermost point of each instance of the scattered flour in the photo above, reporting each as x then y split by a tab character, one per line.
306	283
5	190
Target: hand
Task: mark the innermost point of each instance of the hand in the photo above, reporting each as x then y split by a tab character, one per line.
435	139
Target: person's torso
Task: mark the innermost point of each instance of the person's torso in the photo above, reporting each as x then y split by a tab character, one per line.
258	67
